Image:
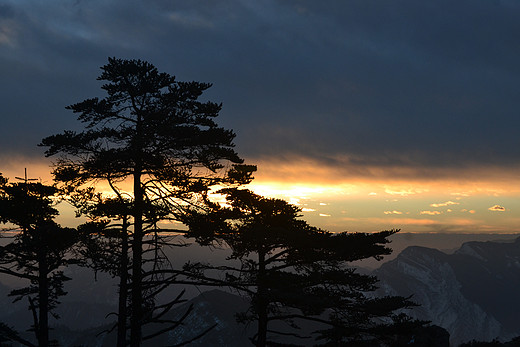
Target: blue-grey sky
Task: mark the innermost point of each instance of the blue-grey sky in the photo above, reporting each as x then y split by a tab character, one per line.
316	90
412	83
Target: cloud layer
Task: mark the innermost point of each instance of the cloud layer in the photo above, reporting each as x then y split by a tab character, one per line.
378	84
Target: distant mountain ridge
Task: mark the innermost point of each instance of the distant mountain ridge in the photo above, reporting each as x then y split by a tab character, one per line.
473	293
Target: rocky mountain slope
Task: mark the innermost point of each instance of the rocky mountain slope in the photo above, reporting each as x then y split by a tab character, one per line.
472	293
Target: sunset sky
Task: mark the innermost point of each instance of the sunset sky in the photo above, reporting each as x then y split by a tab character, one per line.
368	114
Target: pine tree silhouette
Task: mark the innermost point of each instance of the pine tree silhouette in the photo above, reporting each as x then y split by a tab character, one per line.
37	253
153	131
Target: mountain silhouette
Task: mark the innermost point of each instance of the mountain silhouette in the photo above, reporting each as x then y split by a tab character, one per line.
472	293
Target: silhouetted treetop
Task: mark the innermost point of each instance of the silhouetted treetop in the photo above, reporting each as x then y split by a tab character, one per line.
26	204
147	119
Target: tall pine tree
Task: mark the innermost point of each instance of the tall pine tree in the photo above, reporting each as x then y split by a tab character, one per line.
295	273
38	253
151	131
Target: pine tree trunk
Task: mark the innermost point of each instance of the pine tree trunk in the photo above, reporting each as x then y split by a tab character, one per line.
136	318
261	303
123	286
137	257
262	329
43	301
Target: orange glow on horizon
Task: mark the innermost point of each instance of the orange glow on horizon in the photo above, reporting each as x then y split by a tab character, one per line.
302	175
340	198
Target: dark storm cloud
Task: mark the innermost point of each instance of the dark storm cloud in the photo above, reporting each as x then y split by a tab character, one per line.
382	83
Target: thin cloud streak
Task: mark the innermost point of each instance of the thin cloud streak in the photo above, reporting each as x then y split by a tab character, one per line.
497	208
447	203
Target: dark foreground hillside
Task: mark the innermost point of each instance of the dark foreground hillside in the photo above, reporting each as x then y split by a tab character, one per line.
211	308
472	293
